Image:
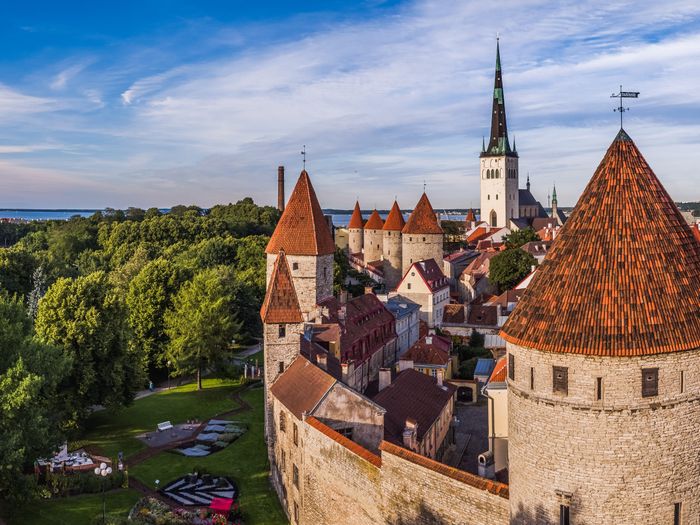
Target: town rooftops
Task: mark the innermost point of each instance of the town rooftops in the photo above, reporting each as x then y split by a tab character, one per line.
431	274
281	304
608	287
400	306
499	372
356	220
374	222
301	386
481	315
422	219
412	395
394	221
432	350
302	229
453	314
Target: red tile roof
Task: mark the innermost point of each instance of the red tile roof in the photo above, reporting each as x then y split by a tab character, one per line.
499	371
394	221
435	352
302	229
422	219
453	314
481	232
481	315
431	274
696	231
374	222
609	287
281	304
301	386
470	216
356	220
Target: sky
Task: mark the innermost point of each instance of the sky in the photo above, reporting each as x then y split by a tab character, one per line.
157	103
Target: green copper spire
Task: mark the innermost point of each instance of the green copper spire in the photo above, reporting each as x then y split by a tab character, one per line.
554	194
498	55
498	140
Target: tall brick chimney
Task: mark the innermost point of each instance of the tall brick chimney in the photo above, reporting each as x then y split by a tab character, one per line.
280	188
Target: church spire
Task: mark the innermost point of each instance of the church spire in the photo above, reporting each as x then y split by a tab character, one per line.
498	140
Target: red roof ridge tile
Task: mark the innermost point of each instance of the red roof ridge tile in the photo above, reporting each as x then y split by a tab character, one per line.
394	221
356	220
374	222
302	229
608	287
281	304
494	487
353	447
423	218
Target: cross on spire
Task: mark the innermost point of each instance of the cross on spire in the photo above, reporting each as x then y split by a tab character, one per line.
623	94
303	154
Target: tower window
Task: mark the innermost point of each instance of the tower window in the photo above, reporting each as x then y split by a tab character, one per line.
677	508
650	382
511	367
564	515
682	381
283	422
598	388
295	475
281	331
280	366
532	378
560	380
295	266
496	196
295	434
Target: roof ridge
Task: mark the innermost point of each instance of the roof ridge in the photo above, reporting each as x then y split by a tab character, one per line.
422	218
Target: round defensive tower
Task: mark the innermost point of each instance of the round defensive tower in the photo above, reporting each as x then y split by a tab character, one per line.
604	361
391	247
421	237
355	230
373	238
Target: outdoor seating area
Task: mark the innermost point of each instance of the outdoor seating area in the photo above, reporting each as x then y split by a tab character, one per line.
218	434
195	490
167	433
77	461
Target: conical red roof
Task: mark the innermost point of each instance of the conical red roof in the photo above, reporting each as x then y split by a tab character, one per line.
356	220
281	304
394	221
302	229
374	222
470	216
422	219
622	277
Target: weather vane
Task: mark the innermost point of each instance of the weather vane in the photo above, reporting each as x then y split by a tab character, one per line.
423	185
303	154
623	94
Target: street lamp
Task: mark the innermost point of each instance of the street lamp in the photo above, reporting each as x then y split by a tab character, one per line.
103	471
168	365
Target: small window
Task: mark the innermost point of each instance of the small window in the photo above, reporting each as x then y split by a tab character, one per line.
650	382
345	432
423	239
283	423
682	381
560	380
532	378
496	196
280	366
295	475
296	512
283	461
511	367
282	331
295	266
488	197
598	388
677	508
325	272
295	434
408	285
564	515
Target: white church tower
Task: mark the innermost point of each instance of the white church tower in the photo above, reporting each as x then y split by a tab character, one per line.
499	164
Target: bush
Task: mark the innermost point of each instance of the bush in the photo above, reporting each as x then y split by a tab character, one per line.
82	483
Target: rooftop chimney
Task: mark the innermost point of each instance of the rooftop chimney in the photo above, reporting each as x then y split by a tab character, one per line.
384	378
405	364
368	290
440	375
322	360
280	188
410	432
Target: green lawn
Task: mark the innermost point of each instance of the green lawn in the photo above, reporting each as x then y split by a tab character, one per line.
78	510
116	431
245	461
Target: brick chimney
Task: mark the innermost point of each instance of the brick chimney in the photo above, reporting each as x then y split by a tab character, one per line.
280	188
410	434
384	378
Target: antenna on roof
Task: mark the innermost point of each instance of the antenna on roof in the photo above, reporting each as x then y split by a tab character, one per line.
303	154
623	94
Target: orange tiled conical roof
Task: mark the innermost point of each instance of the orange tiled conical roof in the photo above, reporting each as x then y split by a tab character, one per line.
302	229
356	217
470	216
374	222
281	304
622	277
394	221
422	219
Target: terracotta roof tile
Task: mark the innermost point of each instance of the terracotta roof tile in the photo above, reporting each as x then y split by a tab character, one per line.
302	229
494	487
470	216
481	315
607	286
423	218
429	350
356	219
499	371
394	221
453	314
301	386
374	222
281	304
696	231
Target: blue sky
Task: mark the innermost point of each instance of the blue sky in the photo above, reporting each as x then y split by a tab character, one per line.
155	103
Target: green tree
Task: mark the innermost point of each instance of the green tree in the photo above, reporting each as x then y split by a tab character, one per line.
16	268
87	319
510	267
30	409
203	322
519	237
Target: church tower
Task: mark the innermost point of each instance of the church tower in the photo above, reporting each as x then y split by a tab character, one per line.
603	360
499	164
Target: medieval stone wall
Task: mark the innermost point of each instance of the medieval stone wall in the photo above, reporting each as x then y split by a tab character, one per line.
419	247
373	245
312	276
355	240
391	249
624	458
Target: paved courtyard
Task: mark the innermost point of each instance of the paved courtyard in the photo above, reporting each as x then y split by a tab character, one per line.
473	433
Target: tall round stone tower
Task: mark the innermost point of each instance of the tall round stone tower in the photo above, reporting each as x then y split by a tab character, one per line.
391	247
373	237
355	229
604	361
422	236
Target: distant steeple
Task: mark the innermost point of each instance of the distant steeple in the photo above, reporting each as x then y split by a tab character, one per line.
527	184
554	201
498	140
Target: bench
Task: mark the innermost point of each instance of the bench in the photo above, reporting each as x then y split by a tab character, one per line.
165	425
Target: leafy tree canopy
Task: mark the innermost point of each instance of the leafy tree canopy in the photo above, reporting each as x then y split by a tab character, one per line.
519	237
510	267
